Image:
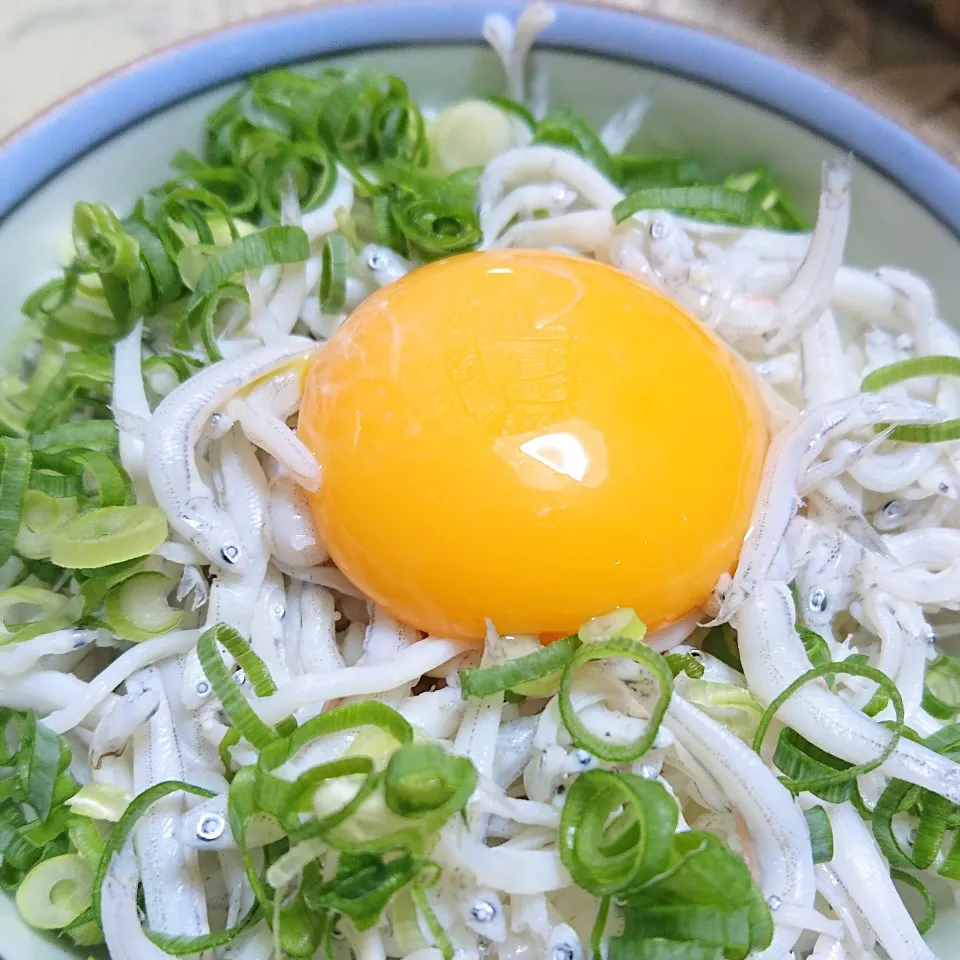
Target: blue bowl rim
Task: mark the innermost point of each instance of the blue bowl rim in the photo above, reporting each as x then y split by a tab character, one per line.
84	121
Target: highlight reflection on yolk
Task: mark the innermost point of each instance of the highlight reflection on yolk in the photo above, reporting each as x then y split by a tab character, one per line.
530	437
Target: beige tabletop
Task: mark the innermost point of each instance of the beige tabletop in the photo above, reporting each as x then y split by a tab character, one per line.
49	48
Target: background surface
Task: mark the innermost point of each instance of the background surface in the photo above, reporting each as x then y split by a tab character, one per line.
889	52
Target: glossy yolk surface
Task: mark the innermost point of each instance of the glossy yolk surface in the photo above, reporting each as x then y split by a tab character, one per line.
534	438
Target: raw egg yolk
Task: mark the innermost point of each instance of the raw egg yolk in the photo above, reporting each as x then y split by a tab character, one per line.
530	437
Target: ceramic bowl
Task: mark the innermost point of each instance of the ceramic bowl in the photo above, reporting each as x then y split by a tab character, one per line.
710	97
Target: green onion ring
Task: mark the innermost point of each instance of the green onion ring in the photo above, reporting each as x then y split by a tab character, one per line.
714	202
483	681
929	907
829	670
821	834
334	262
616	831
935	366
639	653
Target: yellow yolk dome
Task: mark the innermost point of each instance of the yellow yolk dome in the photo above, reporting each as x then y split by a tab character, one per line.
530	437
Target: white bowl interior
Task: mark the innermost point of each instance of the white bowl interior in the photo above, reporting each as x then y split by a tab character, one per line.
686	117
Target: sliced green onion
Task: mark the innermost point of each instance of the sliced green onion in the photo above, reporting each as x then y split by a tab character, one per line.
243	807
566	128
45	372
386	232
39	611
188	215
704	899
56	474
436	228
349	717
950	868
944	740
55	405
114	487
42	516
307	167
818	783
204	316
935	820
936	366
410	182
304	796
255	791
109	535
616	831
363	886
773	207
93	371
280	798
86	839
137	608
702	869
127	297
333	274
236	189
97	582
100	801
292	95
429	784
815	646
405	923
42	758
84	933
633	650
941	688
515	109
631	172
345	120
101	243
702	925
546	662
599	928
235	705
177	365
659	948
47	573
733	707
469	133
14	477
716	203
897	796
193	260
159	264
684	663
620	622
929	907
267	246
821	834
801	761
90	435
55	892
423	781
71	316
721	642
399	131
440	938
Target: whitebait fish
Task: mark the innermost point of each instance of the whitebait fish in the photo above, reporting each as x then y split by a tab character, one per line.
171	450
341	480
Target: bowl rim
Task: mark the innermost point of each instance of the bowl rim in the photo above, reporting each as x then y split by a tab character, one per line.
76	125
